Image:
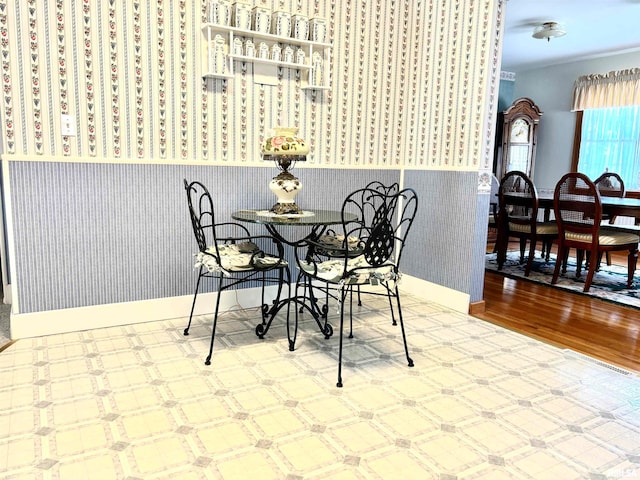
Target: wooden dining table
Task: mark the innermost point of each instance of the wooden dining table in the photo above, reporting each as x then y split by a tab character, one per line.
612	206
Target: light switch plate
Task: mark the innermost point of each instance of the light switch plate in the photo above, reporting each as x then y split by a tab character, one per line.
68	125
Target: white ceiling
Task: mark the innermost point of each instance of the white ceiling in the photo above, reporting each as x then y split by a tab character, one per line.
594	28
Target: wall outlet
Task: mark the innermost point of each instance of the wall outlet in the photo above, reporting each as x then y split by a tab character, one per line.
68	125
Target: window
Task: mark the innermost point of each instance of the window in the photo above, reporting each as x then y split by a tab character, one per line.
610	141
607	135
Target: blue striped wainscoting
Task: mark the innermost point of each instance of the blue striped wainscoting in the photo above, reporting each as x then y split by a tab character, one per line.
443	244
90	234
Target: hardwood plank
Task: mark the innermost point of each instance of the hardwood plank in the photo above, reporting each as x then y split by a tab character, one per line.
596	328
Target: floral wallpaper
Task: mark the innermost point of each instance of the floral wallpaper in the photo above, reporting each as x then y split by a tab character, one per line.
413	83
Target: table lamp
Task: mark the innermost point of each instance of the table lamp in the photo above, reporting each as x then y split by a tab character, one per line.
285	148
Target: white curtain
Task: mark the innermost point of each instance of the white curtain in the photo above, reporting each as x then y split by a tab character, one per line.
613	89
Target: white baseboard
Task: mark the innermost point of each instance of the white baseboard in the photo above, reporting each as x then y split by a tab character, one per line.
6	290
37	324
432	292
25	325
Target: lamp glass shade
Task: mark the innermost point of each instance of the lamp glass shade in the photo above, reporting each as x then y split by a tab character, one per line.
285	148
284	142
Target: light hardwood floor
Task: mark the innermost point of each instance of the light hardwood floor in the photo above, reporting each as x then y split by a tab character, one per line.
602	330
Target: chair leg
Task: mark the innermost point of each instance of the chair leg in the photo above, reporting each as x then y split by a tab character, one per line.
565	260
265	311
326	302
292	341
600	260
579	258
632	261
215	321
502	243
343	298
547	255
590	272
532	252
389	294
308	297
404	336
304	293
193	304
523	246
559	262
351	311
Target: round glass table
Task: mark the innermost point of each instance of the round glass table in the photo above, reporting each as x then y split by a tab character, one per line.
316	221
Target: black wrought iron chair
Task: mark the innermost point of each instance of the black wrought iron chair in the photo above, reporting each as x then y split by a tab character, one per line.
578	210
228	253
385	220
518	217
331	239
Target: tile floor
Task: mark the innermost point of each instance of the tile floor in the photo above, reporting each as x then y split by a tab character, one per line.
137	402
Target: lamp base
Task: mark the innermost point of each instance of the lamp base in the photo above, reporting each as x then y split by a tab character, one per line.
285	186
286	209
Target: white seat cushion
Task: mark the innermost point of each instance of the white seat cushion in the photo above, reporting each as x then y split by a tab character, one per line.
542	228
337	241
607	237
331	243
332	271
236	257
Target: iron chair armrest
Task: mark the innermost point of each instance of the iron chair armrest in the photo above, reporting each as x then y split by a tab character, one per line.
256	253
227	226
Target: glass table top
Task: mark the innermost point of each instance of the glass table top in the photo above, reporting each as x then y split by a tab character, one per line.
308	217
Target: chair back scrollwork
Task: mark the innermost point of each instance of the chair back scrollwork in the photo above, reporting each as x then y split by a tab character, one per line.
201	213
384	218
367	251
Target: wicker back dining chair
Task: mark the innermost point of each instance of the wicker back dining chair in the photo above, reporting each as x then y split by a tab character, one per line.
609	184
228	253
385	220
518	217
578	210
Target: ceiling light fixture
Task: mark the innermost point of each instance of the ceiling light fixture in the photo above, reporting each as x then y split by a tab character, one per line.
548	30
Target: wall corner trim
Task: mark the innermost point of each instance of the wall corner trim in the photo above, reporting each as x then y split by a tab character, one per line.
477	307
432	292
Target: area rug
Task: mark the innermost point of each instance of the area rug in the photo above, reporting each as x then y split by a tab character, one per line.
608	284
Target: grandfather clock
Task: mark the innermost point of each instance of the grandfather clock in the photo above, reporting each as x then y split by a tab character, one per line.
519	137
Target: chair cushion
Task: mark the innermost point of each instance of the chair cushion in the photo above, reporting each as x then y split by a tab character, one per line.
607	237
236	257
542	228
332	271
331	243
